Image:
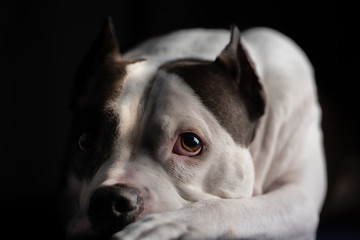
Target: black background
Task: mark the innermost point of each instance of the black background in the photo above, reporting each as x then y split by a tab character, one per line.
43	42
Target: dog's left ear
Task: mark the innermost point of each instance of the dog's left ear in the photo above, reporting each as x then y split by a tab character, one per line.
100	69
236	60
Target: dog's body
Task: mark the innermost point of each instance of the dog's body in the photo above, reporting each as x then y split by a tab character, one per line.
194	140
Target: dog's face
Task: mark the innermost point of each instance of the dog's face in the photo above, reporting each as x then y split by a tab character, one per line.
150	137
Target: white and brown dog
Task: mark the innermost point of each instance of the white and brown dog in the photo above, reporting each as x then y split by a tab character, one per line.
199	134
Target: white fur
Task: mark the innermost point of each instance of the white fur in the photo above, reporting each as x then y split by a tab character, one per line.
274	190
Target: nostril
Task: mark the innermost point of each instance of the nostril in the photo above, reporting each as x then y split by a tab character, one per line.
122	205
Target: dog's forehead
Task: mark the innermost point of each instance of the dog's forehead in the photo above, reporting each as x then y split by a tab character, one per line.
130	103
206	79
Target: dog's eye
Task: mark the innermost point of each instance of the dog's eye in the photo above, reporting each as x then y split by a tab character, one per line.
87	141
187	144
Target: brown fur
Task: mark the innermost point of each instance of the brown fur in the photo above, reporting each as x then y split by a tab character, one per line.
229	87
218	93
101	74
99	79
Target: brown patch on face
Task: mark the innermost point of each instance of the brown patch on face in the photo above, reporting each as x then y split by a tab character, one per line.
99	80
228	86
104	85
99	127
218	92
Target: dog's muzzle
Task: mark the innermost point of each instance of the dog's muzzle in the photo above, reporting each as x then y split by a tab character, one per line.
111	208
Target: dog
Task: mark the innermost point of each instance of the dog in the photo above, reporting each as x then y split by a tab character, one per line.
198	134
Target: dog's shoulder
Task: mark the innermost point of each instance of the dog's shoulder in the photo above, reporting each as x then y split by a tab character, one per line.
291	124
284	69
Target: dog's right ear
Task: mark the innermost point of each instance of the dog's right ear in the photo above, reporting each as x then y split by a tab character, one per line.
99	70
238	63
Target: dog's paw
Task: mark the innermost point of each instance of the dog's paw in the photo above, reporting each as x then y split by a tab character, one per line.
162	226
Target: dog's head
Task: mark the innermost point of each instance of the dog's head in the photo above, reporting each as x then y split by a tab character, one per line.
150	137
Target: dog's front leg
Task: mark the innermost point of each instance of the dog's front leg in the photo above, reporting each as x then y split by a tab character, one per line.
168	225
286	213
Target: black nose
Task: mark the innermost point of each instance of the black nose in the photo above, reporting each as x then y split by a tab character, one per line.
111	208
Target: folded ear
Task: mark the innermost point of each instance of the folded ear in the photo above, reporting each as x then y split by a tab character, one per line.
238	63
99	69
